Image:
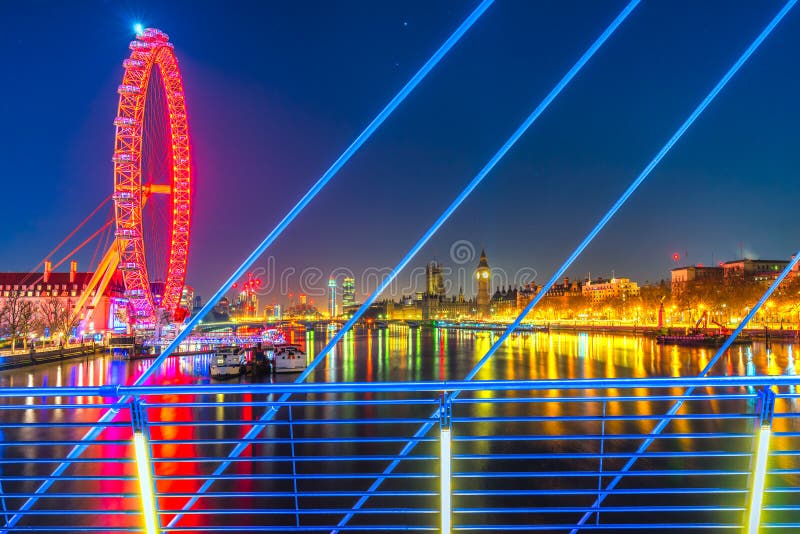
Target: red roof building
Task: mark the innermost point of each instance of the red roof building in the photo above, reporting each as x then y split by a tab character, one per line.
67	286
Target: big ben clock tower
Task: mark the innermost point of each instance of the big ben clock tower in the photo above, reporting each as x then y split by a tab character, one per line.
484	283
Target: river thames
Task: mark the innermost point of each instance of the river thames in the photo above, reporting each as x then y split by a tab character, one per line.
400	353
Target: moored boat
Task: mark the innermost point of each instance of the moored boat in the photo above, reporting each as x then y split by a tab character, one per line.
288	358
700	340
229	362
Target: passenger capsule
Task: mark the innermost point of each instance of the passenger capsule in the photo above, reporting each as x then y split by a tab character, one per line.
129	90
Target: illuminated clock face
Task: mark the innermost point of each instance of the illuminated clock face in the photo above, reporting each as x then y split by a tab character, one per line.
485	274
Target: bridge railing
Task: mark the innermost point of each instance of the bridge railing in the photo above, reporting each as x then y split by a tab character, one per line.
501	455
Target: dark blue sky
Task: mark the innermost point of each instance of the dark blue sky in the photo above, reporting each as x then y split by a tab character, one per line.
276	90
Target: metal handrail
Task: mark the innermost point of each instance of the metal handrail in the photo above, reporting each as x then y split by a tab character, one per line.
315	465
424	386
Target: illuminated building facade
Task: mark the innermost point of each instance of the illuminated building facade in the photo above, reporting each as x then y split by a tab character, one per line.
348	292
332	298
503	302
433	303
197	304
617	288
273	312
307	312
187	298
38	288
247	304
747	270
434	280
684	277
407	308
484	277
446	308
558	293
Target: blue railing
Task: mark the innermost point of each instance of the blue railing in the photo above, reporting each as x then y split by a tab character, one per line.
509	455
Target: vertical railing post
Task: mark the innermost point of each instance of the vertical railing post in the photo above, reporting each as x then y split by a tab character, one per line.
144	465
2	495
764	432
445	426
600	471
294	471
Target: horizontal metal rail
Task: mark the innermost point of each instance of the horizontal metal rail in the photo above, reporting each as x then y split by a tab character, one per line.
405	387
525	456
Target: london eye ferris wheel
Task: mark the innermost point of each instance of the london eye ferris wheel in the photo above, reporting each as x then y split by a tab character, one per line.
152	178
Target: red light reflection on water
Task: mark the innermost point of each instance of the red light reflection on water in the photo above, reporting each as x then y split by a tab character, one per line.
172	458
401	355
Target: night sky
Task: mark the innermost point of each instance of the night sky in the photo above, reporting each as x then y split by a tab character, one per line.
277	90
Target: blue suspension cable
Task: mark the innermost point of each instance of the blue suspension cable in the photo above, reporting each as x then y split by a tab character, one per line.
295	211
662	424
270	414
473	184
725	346
425	428
317	187
636	183
674	409
706	101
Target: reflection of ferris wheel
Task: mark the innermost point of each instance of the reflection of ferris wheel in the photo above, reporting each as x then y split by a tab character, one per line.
152	178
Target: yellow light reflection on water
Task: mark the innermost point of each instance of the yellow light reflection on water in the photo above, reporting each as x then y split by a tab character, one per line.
702	359
310	348
348	357
386	356
772	364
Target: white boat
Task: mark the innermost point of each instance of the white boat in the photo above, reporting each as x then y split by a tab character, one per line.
288	358
229	362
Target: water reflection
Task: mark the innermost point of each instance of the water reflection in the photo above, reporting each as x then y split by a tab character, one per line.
402	353
399	354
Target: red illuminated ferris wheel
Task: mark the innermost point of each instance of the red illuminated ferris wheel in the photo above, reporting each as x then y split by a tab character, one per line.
152	178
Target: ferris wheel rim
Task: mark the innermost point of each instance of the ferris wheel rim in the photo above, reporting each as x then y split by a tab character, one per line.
150	50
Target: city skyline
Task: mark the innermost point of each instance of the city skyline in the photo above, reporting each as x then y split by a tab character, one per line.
457	278
428	150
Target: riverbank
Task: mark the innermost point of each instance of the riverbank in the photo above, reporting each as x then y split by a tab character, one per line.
25	359
652	330
176	354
